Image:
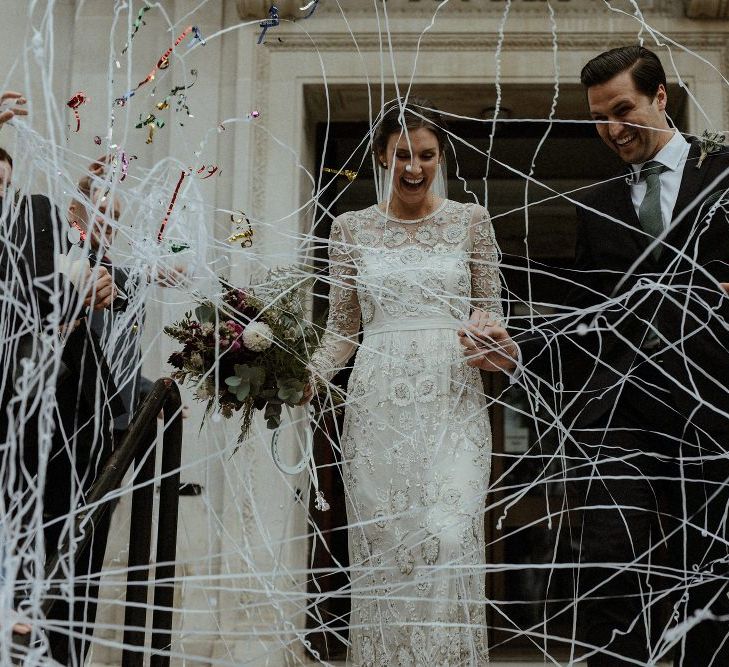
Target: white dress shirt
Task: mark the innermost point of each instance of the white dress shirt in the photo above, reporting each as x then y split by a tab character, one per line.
673	155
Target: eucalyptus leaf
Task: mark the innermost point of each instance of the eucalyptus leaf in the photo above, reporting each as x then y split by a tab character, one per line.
243	391
205	313
292	397
255	376
290	390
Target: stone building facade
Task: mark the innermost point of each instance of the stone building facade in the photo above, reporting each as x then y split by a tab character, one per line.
242	546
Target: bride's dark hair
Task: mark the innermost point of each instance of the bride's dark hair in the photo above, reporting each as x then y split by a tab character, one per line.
417	113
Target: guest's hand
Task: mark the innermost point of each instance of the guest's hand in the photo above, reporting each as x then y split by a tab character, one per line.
69	327
96	170
175	276
77	212
102	290
725	287
486	345
11	105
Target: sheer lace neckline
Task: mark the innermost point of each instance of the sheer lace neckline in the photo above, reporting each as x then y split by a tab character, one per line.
392	218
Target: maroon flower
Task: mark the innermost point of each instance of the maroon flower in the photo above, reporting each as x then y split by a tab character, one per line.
177	359
234	327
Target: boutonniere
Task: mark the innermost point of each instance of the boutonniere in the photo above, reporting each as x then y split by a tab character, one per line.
710	142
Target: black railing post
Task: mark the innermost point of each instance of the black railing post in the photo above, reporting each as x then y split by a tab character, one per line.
164	575
140	538
138	444
110	478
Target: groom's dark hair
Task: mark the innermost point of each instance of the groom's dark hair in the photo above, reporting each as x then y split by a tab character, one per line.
644	66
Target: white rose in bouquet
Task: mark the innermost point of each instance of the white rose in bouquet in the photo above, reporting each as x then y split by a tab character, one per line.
257	336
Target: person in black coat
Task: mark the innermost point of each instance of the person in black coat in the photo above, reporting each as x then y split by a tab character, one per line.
638	362
94	212
58	402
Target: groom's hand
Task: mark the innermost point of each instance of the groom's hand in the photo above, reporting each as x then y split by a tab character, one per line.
487	345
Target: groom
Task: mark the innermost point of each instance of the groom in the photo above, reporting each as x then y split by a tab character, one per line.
641	360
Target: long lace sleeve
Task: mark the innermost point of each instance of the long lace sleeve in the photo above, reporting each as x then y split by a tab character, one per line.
485	280
340	339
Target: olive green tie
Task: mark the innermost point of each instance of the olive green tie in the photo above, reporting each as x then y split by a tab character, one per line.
649	212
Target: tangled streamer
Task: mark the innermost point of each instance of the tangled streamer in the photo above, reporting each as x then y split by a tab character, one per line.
360	524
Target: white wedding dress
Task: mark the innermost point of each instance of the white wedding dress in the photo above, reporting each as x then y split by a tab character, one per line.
416	443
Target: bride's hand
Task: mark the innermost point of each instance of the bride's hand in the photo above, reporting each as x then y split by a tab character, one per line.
308	394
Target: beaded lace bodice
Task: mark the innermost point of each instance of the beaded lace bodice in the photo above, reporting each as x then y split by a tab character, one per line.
393	274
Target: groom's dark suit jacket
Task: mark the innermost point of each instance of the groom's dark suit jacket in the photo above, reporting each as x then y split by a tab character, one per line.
622	290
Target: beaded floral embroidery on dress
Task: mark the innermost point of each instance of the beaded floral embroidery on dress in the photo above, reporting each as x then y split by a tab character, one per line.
416	441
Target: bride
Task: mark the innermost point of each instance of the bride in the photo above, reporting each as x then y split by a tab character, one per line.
416	444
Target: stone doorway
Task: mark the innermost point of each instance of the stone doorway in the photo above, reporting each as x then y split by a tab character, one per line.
520	596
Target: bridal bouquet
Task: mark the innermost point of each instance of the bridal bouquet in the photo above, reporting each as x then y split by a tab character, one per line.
249	351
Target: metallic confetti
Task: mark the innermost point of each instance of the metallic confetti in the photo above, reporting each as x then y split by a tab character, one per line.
211	170
196	37
162	63
245	236
151	122
125	159
177	91
171	206
351	175
138	22
270	22
74	103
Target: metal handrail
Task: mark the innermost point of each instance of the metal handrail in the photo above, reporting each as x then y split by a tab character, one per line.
138	445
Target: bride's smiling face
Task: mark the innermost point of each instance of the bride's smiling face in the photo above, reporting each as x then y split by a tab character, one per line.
413	159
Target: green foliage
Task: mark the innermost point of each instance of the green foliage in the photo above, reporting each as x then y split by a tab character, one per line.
237	379
205	313
290	390
246	381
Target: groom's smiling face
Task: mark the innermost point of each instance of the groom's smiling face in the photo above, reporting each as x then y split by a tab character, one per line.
631	123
